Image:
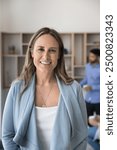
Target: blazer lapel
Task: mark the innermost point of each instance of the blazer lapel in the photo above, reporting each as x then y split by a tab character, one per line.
26	114
72	105
69	125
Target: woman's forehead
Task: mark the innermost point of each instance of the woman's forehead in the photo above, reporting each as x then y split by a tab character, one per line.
46	40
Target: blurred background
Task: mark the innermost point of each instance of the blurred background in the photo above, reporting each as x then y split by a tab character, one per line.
77	21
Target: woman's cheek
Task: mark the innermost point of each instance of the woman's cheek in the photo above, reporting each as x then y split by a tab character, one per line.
54	62
36	62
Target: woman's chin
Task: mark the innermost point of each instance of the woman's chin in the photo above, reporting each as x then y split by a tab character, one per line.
44	70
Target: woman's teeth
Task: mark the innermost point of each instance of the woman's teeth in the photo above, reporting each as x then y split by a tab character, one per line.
45	62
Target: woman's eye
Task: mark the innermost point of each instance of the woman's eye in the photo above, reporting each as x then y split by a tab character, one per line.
52	50
41	49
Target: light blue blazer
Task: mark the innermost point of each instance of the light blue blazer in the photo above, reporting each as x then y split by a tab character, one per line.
19	130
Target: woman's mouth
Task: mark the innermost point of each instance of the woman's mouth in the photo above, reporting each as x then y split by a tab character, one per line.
45	62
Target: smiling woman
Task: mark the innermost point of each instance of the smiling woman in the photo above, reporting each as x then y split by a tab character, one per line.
56	45
45	54
42	98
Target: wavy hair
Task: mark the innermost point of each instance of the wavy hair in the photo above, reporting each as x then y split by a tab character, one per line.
29	68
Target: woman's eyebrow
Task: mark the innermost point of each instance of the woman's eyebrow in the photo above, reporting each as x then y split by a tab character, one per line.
41	46
49	47
54	47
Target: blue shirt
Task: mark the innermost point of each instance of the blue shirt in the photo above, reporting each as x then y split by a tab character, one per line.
92	78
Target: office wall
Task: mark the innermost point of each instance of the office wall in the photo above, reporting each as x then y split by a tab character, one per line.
63	15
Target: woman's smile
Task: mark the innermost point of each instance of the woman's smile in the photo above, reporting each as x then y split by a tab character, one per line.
46	62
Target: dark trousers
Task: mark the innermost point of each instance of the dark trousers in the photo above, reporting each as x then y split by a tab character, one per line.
91	108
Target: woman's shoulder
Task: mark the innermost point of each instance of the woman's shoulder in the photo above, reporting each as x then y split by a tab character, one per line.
76	87
16	84
76	84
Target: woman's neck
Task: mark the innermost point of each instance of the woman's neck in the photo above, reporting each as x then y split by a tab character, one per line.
44	78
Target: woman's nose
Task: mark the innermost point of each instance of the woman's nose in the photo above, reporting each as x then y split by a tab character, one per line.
46	55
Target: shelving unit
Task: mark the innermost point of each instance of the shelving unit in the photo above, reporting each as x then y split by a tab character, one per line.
79	56
25	40
83	43
68	45
14	47
92	41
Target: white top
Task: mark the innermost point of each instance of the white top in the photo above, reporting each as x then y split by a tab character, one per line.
45	117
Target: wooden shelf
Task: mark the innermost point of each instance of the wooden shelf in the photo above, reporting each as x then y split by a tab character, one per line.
93	44
24	44
6	87
13	55
79	66
67	55
78	77
10	55
26	37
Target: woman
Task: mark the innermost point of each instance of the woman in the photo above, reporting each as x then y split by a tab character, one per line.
44	108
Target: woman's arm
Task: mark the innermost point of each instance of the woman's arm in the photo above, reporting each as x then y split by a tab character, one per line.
82	105
82	144
8	132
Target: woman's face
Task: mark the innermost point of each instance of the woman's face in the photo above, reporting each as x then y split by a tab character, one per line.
45	53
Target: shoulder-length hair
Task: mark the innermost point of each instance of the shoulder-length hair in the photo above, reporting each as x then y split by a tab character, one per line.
29	68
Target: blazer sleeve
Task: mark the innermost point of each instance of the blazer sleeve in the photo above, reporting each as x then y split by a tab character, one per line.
82	105
83	144
7	122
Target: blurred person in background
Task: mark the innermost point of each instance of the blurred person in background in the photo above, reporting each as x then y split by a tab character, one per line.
91	83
